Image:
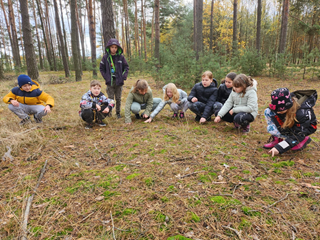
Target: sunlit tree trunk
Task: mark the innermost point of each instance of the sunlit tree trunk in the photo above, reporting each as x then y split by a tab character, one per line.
123	43
50	36
21	35
144	31
157	30
107	21
28	42
211	26
136	28
284	26
258	36
152	32
1	65
126	23
62	47
235	32
37	34
92	32
198	26
75	41
78	16
64	32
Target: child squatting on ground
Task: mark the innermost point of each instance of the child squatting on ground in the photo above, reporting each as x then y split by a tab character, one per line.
290	119
140	97
28	99
224	91
241	107
202	98
176	98
95	106
114	69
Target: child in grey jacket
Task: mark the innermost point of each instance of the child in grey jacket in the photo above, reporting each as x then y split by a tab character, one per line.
176	98
241	107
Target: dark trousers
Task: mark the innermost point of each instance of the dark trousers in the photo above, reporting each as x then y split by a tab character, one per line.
114	92
198	108
90	115
240	118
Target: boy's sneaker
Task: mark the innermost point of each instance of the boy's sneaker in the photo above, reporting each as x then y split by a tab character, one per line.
197	119
137	116
302	144
118	115
175	115
38	120
102	124
88	126
25	121
181	115
246	129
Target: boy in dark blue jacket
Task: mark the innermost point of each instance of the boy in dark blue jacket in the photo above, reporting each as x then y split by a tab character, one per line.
203	96
114	69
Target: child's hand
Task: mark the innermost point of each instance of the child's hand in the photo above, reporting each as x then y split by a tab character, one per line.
145	116
148	120
231	112
106	110
47	109
217	119
203	120
98	107
14	103
129	123
194	99
274	152
178	102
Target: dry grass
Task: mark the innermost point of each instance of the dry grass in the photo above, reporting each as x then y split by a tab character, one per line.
156	180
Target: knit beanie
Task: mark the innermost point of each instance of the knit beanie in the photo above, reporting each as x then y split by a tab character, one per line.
280	100
24	79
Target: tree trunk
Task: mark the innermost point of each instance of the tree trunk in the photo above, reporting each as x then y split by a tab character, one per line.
62	47
37	33
157	31
152	32
50	37
64	33
20	31
126	23
136	27
44	35
1	66
75	41
234	37
284	26
28	42
78	15
15	48
194	25
144	31
92	33
198	26
258	38
211	27
123	43
107	21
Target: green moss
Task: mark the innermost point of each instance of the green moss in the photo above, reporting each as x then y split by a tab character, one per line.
283	164
148	181
178	237
218	199
248	211
132	176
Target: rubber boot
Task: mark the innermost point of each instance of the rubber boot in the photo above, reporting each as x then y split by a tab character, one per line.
275	141
302	144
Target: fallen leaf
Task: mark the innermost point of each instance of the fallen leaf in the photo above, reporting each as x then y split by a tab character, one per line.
70	146
10	216
220	177
99	198
40	205
309	185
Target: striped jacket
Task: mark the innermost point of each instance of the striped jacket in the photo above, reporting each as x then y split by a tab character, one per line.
34	97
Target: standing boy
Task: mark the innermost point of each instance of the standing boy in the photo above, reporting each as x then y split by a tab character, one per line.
28	99
114	69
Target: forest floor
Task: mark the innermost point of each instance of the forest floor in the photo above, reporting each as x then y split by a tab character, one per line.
153	181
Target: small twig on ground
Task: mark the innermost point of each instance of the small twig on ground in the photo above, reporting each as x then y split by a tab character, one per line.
112	226
278	201
86	217
235	188
194	173
26	213
234	230
130	164
218	182
180	159
293	236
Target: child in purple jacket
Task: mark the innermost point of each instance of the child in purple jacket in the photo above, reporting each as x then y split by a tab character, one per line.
114	69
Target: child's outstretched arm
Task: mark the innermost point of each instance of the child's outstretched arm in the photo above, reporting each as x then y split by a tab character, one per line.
156	111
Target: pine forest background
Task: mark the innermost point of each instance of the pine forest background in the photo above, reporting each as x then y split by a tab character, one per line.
173	40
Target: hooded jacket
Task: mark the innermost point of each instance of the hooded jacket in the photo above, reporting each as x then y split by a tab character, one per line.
139	98
120	64
223	93
206	95
34	97
305	123
239	103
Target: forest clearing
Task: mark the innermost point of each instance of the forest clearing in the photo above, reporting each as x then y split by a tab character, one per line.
153	181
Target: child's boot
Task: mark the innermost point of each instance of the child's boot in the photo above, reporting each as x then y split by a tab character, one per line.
181	115
175	115
137	116
236	125
302	144
246	129
275	141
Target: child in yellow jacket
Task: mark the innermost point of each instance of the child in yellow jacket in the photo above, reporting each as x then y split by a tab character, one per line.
28	99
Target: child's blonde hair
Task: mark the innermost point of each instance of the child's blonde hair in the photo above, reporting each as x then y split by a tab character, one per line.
173	88
208	74
243	81
291	114
140	85
95	83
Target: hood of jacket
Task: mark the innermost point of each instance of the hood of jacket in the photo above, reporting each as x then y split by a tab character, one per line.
253	87
306	98
114	41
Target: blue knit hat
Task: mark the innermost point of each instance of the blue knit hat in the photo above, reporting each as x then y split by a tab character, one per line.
24	79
